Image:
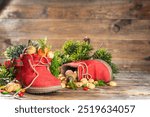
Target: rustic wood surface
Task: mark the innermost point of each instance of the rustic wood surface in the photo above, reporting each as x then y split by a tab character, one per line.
79	9
131	85
121	26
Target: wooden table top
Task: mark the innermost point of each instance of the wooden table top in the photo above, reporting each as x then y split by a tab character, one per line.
130	85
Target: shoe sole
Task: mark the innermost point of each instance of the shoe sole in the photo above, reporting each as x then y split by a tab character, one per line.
40	90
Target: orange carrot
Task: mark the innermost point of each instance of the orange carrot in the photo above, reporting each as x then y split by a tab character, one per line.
46	50
43	53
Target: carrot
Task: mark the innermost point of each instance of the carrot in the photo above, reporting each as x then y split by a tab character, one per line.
46	50
43	53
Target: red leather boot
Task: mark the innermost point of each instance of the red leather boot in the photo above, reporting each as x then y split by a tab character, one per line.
35	75
95	69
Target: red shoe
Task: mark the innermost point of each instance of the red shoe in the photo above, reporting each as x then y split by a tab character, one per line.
35	75
95	69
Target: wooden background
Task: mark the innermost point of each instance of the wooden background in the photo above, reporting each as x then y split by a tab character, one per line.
122	26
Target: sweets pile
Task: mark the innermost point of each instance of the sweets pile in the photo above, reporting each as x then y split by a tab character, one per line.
70	80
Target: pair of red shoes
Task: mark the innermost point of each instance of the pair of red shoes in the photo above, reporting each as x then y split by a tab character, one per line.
35	76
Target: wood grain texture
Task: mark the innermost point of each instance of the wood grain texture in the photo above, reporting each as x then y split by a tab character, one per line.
64	29
78	9
133	65
131	85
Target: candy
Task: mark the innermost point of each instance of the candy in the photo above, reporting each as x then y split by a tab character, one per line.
112	83
95	82
62	78
68	72
91	80
10	87
79	84
23	90
63	85
21	94
60	75
90	86
84	80
85	88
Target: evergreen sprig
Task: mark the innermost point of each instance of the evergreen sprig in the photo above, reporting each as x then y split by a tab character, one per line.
77	50
71	51
6	74
56	63
13	52
103	54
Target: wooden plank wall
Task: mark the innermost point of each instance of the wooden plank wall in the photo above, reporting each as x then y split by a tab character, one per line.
122	26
